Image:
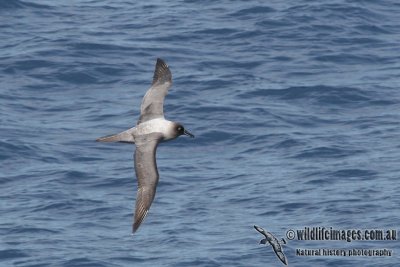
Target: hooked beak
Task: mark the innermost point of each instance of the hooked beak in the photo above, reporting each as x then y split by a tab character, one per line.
188	134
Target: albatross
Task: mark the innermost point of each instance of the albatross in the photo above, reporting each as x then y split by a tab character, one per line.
151	129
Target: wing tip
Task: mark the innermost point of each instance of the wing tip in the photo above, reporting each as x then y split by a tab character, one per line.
161	61
258	228
139	217
162	73
134	228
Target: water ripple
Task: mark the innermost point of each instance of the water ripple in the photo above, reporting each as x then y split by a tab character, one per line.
294	105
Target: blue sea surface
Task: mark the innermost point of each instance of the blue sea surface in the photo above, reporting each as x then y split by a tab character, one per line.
295	106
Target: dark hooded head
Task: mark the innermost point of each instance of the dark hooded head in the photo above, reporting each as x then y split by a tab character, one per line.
180	130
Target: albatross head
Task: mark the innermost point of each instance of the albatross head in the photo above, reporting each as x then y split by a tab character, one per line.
180	130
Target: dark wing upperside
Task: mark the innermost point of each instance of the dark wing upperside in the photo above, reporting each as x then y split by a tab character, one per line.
279	253
147	175
274	243
260	230
152	106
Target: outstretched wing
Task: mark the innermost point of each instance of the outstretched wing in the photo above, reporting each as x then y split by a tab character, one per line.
147	175
153	102
274	243
260	230
279	253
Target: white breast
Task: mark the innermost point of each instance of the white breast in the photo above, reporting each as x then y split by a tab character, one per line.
157	125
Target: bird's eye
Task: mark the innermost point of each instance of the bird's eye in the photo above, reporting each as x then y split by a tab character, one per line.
180	128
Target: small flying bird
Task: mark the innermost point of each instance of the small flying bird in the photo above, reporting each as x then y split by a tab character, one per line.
151	129
276	245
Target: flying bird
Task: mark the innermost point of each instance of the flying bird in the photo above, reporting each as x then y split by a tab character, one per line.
276	245
151	129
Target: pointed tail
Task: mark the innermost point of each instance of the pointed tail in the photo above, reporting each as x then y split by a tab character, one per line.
124	137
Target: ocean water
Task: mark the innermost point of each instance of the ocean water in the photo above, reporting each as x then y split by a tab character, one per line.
295	106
